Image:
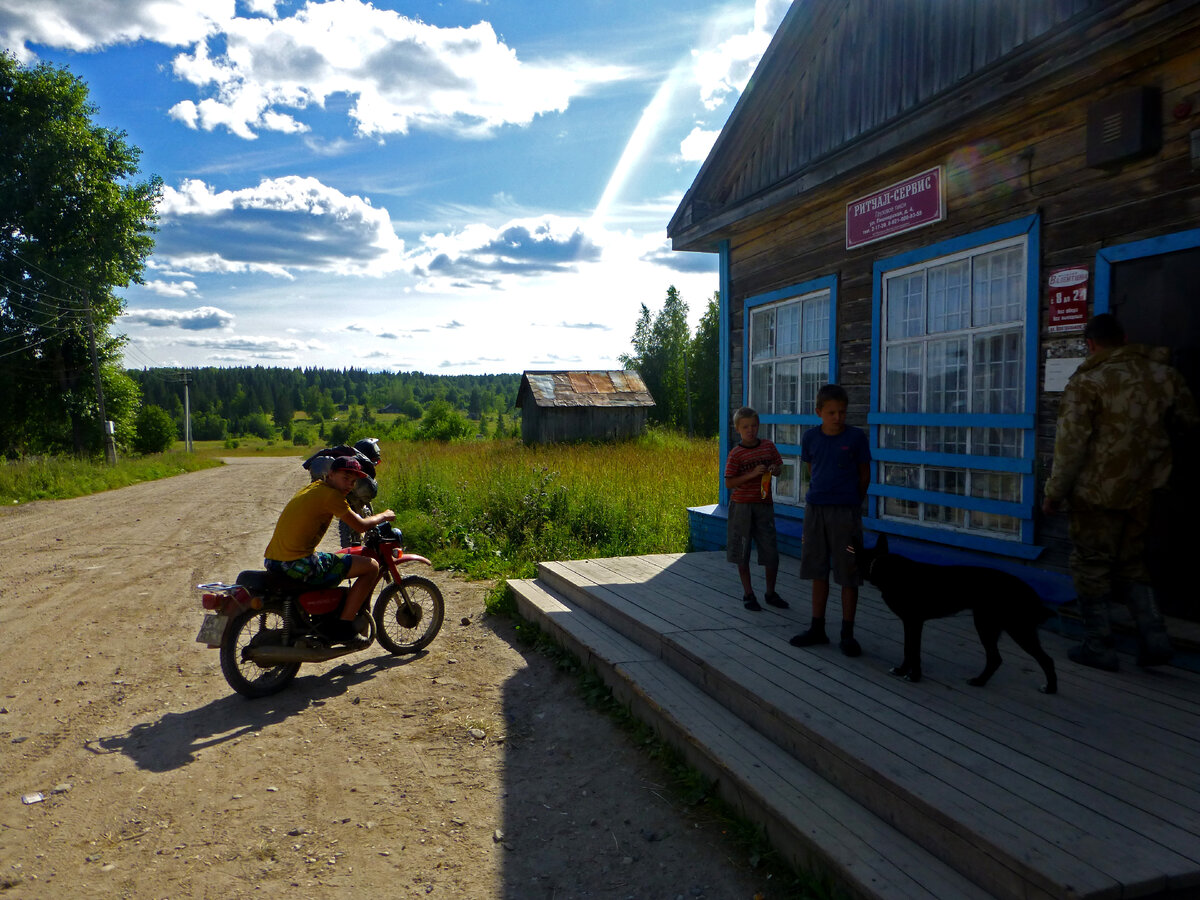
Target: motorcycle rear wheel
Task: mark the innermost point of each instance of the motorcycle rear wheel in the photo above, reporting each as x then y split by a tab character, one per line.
408	614
244	675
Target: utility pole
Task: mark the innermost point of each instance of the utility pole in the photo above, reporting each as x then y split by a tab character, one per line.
187	414
110	447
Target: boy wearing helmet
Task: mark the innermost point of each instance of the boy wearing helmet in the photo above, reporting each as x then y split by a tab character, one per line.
303	523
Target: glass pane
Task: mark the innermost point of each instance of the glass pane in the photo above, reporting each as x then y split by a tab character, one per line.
946	481
787	330
1004	486
946	376
814	373
996	441
902	476
787	483
787	387
1005	526
996	373
949	297
944	515
905	306
900	437
998	289
902	379
946	439
760	387
788	434
762	334
900	509
816	324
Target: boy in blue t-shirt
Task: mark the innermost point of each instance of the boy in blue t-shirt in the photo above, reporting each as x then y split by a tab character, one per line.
838	458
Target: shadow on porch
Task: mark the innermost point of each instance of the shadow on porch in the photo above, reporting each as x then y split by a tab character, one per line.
931	790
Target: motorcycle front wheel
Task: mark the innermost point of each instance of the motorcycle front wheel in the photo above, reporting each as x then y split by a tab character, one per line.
408	614
250	629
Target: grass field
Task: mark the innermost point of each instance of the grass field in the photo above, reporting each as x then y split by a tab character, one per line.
58	478
487	508
495	508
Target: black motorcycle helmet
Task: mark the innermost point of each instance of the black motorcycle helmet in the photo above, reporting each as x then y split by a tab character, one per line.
369	447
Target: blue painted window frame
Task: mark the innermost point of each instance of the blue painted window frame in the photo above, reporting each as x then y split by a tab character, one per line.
1026	421
825	283
1157	246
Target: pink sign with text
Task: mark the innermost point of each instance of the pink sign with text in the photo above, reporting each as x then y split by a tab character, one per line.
898	208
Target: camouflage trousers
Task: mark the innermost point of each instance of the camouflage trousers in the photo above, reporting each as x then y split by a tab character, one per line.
1108	548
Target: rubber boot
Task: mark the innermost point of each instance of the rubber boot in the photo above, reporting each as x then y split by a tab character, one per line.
1097	647
1154	647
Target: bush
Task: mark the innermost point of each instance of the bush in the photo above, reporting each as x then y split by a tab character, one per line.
153	430
442	422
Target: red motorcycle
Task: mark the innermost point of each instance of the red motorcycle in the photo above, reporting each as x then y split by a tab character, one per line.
266	625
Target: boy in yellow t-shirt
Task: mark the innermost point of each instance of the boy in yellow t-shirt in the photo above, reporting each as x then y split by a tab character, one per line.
304	521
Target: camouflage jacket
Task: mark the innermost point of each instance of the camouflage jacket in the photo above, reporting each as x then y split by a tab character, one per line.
1112	446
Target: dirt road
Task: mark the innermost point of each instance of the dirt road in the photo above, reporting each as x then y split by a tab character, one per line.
365	778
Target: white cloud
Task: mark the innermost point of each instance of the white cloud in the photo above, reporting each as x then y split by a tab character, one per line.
281	227
401	72
202	318
724	70
695	147
478	255
95	24
171	288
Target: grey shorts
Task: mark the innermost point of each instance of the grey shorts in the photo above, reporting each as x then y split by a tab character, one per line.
751	521
827	531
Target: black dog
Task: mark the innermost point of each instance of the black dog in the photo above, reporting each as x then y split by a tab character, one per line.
999	601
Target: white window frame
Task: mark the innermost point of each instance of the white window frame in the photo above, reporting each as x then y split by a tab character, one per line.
815	341
939	461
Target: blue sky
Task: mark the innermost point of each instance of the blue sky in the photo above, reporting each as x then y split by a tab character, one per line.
466	186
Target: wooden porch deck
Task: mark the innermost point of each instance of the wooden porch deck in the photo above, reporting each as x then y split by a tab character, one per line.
934	790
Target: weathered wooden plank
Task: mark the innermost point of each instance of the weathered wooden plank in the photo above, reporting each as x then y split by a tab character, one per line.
855	841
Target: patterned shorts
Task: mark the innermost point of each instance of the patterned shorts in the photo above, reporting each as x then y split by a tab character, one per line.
320	570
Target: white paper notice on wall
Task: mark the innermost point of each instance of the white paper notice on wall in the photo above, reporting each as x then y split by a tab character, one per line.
1059	370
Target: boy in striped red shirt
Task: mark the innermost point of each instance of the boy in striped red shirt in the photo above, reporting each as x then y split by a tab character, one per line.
748	474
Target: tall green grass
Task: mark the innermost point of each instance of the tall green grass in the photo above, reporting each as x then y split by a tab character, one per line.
494	509
58	478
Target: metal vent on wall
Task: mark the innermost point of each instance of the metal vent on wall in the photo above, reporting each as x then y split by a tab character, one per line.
1124	126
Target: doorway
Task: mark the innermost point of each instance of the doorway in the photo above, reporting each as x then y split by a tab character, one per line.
1157	299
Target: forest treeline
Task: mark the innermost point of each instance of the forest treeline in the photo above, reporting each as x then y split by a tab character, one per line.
256	400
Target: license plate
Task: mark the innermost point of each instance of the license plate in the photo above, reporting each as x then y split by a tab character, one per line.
212	630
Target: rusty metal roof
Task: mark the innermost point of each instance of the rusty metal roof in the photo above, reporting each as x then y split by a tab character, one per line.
592	388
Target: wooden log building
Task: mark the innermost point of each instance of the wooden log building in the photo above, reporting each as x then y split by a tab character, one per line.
924	201
582	406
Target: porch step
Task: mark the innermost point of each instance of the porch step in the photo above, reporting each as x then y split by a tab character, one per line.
1086	794
814	824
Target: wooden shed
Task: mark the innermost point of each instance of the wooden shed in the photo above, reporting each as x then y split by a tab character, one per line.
582	406
925	201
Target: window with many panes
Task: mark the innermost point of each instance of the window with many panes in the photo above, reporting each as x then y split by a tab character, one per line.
788	363
951	384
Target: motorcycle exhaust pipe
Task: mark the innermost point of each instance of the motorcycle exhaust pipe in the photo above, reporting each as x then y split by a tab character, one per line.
278	656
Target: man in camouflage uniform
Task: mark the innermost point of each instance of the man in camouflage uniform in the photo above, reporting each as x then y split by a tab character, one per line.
1111	450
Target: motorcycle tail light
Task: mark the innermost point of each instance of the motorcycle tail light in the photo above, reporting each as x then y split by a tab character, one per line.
212	601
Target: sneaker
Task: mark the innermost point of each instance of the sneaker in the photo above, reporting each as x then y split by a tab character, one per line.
751	603
773	599
850	647
1085	657
809	638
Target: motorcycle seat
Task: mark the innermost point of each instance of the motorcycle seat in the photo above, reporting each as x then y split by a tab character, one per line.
261	581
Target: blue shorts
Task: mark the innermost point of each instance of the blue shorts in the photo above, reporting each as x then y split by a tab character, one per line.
319	570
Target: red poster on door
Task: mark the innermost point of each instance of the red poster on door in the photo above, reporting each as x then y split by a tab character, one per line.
1068	300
